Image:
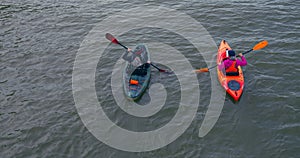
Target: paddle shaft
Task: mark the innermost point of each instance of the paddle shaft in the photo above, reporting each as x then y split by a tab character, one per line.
246	52
161	70
122	45
114	40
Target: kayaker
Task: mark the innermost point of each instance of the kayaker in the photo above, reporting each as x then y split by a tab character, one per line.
231	63
139	64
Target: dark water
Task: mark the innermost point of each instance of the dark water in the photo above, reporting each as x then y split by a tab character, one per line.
38	45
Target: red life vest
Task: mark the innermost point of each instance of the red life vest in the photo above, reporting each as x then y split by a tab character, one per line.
232	67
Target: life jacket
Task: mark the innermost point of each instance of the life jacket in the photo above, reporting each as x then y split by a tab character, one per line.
134	82
232	67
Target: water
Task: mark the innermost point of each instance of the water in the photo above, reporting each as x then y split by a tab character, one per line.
39	42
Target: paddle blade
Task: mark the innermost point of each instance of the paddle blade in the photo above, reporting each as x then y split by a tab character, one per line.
202	70
111	38
260	45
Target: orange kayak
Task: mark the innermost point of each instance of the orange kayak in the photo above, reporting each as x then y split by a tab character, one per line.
233	85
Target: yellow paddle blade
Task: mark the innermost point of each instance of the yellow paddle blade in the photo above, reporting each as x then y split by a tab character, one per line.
202	70
260	45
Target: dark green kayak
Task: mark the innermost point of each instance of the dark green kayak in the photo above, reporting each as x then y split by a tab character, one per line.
136	79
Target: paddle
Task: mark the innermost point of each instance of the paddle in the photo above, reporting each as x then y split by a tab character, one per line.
258	46
115	41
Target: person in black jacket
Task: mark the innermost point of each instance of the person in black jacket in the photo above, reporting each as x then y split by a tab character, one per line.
138	63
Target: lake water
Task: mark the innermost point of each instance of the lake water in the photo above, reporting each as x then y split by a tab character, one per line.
39	43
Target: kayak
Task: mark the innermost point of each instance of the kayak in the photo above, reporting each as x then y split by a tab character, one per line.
233	85
135	84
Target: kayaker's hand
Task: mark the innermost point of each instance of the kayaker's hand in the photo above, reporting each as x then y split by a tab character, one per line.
148	61
241	54
129	50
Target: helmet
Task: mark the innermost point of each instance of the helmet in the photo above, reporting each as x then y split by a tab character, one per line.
138	50
230	53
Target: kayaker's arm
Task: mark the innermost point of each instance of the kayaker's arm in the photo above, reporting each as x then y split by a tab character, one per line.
128	57
242	62
221	65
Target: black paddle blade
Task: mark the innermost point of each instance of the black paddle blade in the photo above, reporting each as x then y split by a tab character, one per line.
111	38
